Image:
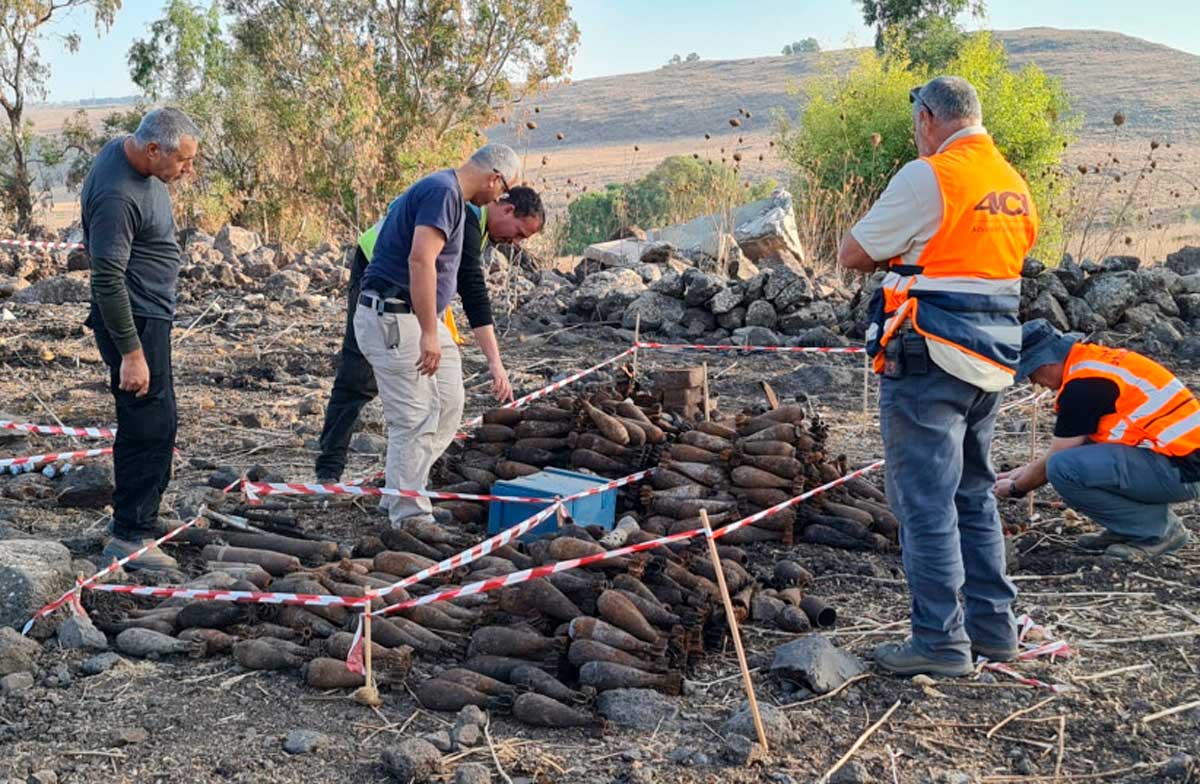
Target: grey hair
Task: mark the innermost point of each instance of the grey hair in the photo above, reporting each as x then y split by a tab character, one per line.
497	157
951	98
166	127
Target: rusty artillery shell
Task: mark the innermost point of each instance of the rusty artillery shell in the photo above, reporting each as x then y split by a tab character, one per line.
793	619
765	609
368	546
684	508
760	497
789	573
749	476
637	433
705	474
465	486
784	467
848	512
431	617
513	643
493	564
251	573
736	577
584	651
509	417
388	633
510	469
664	478
494	450
587	628
604	676
609	426
147	642
692	454
542	711
490	433
531	456
163	624
705	441
632	585
209	615
276	564
476	474
653	433
719	429
586	458
478	681
546	413
402	541
536	428
538	680
690	580
428	531
429	638
324	672
550	445
778	432
861	487
512	554
498	667
619	610
564	548
396	660
477	459
819	613
540	596
270	630
215	641
764	449
652	609
598	443
442	695
851	528
401	564
312	551
265	653
302	619
749	534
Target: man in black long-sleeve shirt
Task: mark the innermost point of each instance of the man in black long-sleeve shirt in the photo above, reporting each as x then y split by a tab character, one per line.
129	230
512	219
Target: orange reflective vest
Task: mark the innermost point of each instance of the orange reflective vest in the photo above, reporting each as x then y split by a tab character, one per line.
965	289
1154	410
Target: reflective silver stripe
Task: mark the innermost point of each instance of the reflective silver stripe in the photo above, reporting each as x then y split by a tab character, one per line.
1002	333
1179	429
1156	397
988	286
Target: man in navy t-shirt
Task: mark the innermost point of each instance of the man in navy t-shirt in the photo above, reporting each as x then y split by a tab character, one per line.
412	276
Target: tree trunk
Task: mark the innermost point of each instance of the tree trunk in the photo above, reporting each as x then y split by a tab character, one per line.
20	192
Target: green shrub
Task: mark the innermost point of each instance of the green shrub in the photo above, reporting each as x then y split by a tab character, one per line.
856	131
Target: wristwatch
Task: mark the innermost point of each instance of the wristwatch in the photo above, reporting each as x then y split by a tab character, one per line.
1014	492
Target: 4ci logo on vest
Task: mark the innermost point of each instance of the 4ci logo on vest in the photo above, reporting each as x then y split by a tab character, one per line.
1004	202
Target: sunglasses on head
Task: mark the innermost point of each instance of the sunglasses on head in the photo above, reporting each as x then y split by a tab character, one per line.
914	97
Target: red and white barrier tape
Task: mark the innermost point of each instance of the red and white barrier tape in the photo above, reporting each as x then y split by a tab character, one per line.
252	597
54	456
115	565
557	385
255	489
734	347
491	584
43	245
59	430
1035	650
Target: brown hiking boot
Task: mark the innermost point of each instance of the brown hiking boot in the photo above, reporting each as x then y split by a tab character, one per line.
1100	541
153	560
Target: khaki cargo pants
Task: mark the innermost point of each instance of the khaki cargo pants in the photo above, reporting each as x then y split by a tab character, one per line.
423	413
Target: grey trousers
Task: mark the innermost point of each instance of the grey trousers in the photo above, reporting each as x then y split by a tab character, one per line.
423	413
937	437
1126	489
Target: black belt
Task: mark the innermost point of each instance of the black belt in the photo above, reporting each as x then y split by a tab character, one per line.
381	305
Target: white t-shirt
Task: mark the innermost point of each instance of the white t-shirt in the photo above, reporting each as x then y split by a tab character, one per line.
901	223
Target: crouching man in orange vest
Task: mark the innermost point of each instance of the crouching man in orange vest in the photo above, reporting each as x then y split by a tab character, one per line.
1126	442
952	230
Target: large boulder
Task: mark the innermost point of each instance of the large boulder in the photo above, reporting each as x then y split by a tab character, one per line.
1185	261
761	313
234	241
1070	274
58	290
1082	318
624	252
598	285
1110	295
33	572
655	310
755	336
813	661
814	314
701	286
727	299
287	285
1047	307
760	228
17	652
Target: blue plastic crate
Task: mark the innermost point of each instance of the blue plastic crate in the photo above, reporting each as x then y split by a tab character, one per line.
599	509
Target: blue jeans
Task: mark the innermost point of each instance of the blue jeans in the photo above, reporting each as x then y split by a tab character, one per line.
937	436
1126	489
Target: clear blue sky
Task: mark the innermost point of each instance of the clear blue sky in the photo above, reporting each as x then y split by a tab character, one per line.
623	36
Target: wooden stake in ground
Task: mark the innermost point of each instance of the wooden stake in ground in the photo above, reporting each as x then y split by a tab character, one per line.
772	398
733	625
368	694
637	338
1033	433
866	380
707	414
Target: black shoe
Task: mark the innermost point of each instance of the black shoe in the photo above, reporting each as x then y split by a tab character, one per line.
900	659
1176	536
995	654
1100	541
